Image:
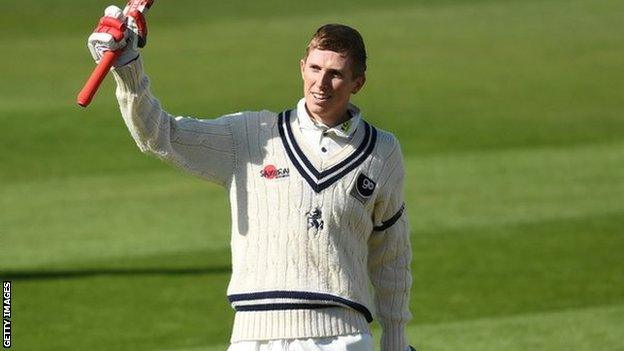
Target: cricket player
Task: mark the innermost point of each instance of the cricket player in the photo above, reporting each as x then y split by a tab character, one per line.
316	196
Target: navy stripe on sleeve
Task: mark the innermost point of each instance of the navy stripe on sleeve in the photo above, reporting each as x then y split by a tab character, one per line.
387	224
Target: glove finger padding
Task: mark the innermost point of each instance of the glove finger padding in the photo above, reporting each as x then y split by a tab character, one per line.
99	43
112	26
136	23
112	34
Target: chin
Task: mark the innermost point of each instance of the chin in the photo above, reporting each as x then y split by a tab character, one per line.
321	112
317	108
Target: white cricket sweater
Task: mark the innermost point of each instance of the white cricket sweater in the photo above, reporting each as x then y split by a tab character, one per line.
326	141
308	235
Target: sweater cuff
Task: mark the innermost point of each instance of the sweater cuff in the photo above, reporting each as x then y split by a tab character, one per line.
129	76
393	337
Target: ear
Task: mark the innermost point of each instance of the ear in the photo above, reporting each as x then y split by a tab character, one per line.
302	66
359	83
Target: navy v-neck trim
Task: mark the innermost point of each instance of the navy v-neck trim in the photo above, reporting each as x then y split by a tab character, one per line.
320	180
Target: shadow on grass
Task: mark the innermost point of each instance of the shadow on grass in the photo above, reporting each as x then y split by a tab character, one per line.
64	274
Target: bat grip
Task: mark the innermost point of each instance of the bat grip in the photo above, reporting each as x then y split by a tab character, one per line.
97	76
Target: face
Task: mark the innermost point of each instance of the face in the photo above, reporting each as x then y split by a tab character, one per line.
328	83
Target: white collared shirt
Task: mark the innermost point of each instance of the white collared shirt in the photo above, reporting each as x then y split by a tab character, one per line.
326	141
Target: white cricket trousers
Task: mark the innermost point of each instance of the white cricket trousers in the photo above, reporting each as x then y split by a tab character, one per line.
356	342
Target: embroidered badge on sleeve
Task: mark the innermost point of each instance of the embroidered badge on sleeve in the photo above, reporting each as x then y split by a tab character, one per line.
363	188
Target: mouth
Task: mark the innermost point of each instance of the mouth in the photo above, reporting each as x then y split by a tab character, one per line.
321	97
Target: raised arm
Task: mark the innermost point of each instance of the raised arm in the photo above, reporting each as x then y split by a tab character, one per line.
202	147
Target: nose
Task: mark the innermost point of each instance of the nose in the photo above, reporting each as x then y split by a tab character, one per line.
325	80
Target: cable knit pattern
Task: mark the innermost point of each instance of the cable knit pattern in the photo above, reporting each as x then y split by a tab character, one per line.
308	234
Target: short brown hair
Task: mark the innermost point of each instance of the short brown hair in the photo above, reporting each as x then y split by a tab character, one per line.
342	39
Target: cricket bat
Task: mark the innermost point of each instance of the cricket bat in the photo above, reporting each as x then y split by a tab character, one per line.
106	62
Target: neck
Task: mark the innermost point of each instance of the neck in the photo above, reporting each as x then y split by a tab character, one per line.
330	121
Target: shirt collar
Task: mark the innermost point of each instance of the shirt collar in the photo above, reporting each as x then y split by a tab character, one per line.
343	130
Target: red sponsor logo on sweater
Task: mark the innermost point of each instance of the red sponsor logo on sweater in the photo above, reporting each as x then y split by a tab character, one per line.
272	172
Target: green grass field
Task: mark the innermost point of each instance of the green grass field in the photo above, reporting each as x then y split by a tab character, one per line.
511	118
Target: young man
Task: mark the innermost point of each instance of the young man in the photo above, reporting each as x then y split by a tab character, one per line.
316	195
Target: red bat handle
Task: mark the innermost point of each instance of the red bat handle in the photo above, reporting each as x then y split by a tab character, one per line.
97	76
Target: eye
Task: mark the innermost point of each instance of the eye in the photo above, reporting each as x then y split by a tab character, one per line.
336	74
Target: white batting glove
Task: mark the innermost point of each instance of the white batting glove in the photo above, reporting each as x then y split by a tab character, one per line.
116	31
